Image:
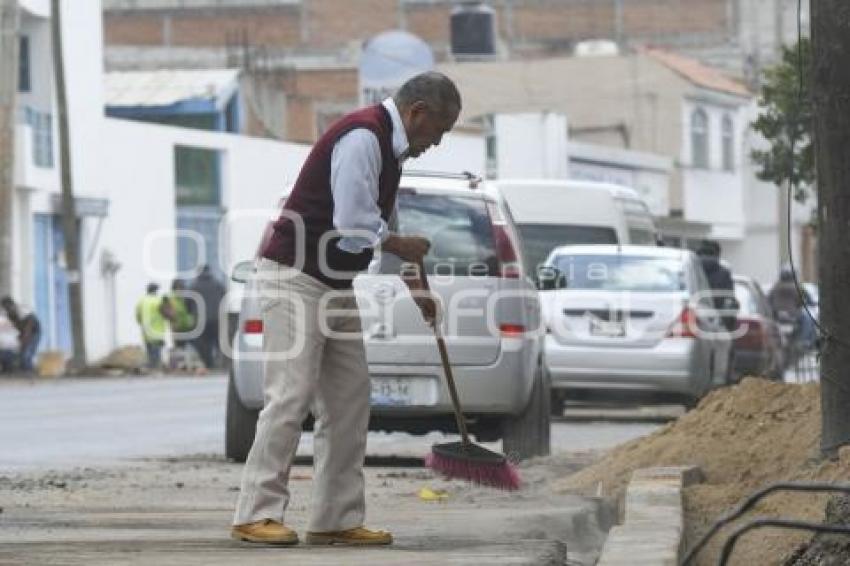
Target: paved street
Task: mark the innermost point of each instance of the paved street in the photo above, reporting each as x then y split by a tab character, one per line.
129	471
95	422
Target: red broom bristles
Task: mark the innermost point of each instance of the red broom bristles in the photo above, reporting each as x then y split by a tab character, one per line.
501	475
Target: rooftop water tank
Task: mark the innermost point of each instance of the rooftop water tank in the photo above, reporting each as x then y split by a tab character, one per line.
473	31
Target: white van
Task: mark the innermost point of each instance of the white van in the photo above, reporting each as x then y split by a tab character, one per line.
552	213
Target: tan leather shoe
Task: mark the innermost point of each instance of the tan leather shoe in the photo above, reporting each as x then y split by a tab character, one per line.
266	531
358	536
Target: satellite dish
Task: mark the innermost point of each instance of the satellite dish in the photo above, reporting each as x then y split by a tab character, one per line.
388	60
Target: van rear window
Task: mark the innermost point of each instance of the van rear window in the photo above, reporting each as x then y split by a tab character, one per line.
538	240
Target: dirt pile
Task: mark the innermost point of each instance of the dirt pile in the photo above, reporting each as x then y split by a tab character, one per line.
743	438
128	358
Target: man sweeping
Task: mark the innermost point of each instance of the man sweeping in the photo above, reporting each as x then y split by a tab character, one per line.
338	211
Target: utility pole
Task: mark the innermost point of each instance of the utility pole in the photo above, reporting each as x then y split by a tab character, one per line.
69	212
830	87
9	22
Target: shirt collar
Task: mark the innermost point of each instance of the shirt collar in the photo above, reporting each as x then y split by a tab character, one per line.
400	143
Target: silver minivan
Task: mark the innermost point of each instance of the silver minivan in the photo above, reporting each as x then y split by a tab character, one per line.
491	324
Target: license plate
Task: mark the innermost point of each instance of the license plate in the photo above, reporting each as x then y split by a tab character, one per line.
607	329
391	391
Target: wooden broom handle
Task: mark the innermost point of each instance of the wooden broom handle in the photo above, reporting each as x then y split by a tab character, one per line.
447	368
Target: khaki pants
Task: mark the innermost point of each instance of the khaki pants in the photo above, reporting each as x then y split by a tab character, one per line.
308	370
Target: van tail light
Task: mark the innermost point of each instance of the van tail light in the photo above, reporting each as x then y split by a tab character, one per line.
253	326
685	326
511	330
506	245
753	338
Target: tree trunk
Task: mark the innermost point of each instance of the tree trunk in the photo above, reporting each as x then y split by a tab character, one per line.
69	212
830	87
9	21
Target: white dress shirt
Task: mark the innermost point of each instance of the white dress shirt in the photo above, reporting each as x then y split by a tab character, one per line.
355	169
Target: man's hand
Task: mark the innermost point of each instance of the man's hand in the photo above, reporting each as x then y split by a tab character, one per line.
424	299
408	248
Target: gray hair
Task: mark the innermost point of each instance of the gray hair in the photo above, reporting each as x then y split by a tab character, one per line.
435	89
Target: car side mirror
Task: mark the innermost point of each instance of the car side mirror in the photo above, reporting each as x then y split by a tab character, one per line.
242	271
550	278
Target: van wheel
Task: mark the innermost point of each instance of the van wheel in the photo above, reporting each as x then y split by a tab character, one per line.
527	435
240	425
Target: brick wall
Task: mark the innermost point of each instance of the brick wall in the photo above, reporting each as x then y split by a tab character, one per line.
300	120
328	24
335	23
127	28
570	20
327	84
645	17
430	22
279	26
263	26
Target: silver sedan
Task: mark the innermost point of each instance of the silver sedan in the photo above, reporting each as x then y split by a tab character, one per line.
625	319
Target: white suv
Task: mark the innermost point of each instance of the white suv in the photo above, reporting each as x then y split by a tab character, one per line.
491	323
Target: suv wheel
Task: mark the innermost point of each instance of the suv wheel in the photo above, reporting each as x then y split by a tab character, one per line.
240	425
559	398
527	435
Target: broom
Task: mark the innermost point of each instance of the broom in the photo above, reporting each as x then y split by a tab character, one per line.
464	459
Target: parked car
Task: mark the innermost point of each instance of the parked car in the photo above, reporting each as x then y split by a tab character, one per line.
626	319
497	359
758	342
552	213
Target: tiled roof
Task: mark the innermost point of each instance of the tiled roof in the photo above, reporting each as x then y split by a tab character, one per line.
697	73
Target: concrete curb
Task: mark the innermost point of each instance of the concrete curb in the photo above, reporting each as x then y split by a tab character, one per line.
653	523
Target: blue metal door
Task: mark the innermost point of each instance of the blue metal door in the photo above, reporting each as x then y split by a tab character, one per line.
52	305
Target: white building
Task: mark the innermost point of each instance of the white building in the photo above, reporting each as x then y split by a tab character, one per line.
38	261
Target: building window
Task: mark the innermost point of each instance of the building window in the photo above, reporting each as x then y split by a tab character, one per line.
42	136
728	144
699	139
196	172
24	82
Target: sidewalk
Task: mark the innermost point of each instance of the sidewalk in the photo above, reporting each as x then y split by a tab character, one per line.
178	513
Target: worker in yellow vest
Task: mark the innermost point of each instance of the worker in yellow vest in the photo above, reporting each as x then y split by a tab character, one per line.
153	324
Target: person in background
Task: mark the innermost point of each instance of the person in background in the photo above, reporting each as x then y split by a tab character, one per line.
180	315
149	315
720	281
785	300
176	310
29	332
211	293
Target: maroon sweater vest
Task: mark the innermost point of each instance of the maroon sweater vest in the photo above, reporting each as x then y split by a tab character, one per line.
311	199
